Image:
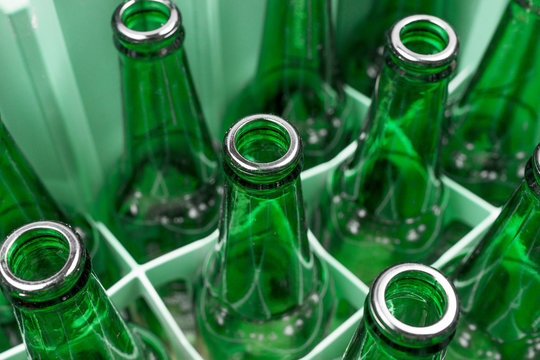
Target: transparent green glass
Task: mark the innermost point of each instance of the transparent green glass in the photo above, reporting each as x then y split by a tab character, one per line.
364	57
264	294
411	313
24	199
384	204
298	78
61	308
497	122
499	282
165	192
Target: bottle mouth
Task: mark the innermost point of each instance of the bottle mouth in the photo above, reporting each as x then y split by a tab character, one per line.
414	306
144	21
147	28
424	40
41	262
263	149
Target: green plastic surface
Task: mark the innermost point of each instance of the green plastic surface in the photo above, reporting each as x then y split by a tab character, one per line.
60	98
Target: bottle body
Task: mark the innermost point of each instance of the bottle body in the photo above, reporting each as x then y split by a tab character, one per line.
411	312
365	56
496	124
264	293
384	204
298	78
61	308
499	282
166	189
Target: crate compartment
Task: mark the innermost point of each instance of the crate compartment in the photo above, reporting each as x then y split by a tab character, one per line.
60	83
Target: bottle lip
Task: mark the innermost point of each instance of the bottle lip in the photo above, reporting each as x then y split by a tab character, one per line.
259	169
446	325
167	30
405	54
58	283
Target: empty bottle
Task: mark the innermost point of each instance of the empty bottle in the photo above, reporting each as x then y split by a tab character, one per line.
499	282
265	294
365	56
497	122
384	204
24	199
61	308
411	312
166	193
298	79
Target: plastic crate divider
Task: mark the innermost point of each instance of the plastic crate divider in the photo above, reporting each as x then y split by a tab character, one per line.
468	242
15	353
122	256
181	347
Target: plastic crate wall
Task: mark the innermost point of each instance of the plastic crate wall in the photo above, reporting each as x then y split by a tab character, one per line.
60	98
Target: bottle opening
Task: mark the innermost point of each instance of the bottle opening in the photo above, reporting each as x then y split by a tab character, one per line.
41	261
262	141
424	40
414	305
262	148
424	37
146	15
38	254
147	22
415	298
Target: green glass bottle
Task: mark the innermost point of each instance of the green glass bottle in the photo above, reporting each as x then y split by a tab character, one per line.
499	281
365	55
61	308
298	78
410	313
497	122
383	205
166	192
265	294
24	199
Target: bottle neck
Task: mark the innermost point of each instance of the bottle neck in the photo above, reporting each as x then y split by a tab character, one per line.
499	281
298	37
47	276
263	265
400	141
85	326
25	199
263	245
514	94
162	113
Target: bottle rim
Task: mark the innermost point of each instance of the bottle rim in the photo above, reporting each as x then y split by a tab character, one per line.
167	30
257	170
401	50
446	325
58	283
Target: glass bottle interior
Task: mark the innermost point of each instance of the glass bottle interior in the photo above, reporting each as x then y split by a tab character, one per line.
262	141
416	299
38	254
424	37
145	16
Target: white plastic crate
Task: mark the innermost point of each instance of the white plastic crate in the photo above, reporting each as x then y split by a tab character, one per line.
60	98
